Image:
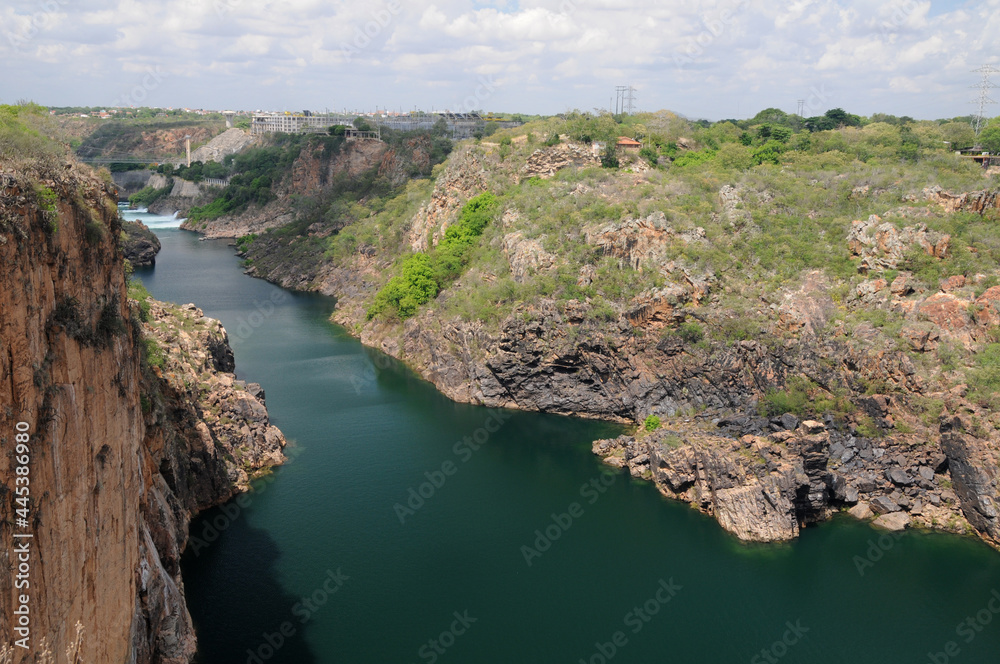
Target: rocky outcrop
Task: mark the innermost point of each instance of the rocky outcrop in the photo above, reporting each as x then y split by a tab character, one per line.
463	178
139	244
526	257
546	162
766	485
642	242
883	246
123	443
228	142
975	471
971	201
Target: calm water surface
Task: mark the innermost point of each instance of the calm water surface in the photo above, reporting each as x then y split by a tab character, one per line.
324	553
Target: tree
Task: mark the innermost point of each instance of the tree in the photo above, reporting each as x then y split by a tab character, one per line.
770	116
989	138
959	134
363	125
610	157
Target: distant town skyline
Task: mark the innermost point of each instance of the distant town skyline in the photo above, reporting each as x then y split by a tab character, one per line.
713	60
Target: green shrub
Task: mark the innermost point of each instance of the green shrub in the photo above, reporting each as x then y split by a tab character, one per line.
652	423
609	158
690	332
984	378
153	353
413	286
137	291
694	158
149	195
243	243
110	323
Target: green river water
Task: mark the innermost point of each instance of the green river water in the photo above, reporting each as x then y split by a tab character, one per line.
323	564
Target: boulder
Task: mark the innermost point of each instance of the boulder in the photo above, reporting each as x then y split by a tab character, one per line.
861	511
946	311
789	421
899	477
895	521
884	505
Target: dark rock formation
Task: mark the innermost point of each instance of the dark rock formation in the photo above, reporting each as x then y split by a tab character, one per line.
139	244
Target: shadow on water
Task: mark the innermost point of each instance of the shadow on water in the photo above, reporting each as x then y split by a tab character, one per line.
215	581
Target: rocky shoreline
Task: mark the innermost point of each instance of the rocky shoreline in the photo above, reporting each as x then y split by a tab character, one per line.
765	487
879	460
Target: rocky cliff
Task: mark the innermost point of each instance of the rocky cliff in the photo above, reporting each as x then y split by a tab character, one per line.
684	295
139	244
134	426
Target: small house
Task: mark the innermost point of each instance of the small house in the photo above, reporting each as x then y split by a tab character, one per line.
626	143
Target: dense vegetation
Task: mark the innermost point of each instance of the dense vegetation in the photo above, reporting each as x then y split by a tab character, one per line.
799	186
149	195
421	276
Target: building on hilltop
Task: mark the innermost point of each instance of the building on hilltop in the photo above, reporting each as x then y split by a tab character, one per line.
626	143
459	125
287	123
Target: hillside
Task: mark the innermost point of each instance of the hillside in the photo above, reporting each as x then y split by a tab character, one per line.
129	418
731	279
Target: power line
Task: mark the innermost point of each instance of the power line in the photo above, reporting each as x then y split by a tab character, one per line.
984	94
625	99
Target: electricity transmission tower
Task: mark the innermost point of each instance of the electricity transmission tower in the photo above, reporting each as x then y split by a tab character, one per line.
624	99
802	107
984	95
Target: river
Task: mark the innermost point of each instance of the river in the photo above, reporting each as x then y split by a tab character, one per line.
335	560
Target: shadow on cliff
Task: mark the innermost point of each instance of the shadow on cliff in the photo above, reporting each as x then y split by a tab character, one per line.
236	601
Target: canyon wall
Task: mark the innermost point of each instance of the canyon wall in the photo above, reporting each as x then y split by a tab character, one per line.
127	441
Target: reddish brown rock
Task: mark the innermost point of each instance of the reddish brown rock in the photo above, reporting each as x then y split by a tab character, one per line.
988	307
953	283
902	285
946	311
921	337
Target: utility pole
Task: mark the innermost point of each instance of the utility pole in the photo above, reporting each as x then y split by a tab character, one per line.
984	95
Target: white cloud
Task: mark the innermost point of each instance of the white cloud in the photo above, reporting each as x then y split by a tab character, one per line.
704	59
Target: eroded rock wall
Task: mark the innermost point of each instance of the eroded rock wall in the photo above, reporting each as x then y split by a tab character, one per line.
124	449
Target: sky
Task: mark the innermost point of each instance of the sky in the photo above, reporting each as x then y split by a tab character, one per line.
711	59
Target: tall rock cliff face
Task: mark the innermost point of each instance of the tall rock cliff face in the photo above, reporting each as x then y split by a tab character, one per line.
121	457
